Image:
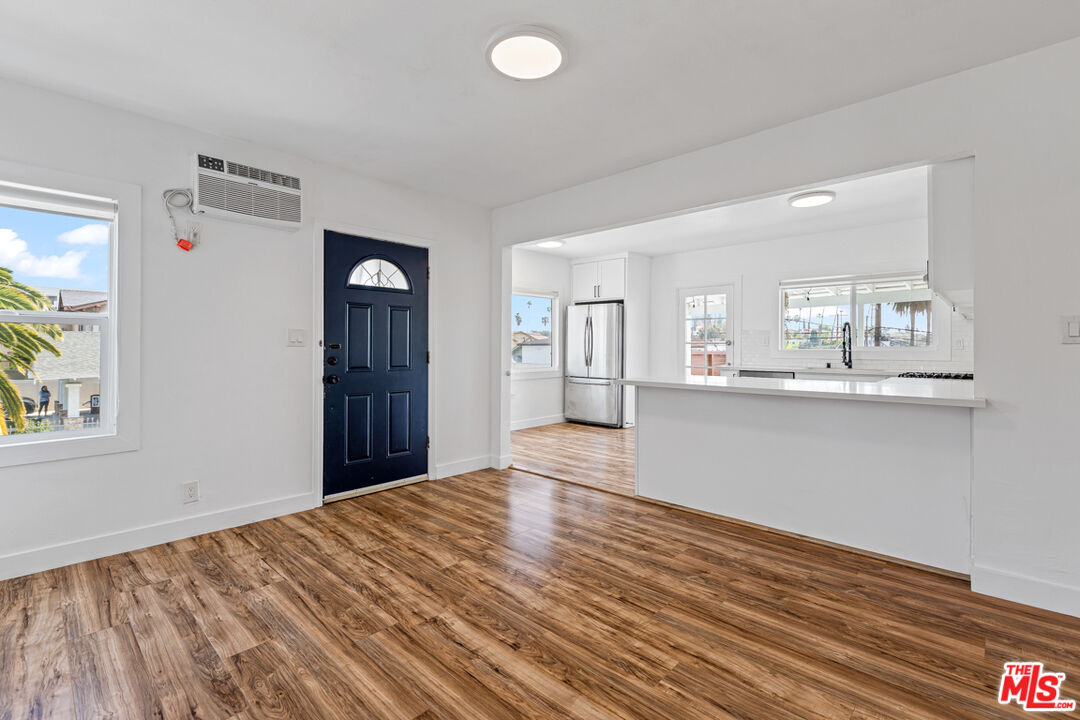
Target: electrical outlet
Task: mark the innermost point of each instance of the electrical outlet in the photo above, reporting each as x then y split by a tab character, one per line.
191	491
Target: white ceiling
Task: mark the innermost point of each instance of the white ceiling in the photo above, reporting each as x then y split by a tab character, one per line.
874	200
401	90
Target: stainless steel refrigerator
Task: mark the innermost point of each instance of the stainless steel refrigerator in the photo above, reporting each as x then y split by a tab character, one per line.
594	361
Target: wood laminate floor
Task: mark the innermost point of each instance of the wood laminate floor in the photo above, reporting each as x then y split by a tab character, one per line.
594	456
501	594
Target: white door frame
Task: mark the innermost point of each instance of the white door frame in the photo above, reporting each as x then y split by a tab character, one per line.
733	288
318	287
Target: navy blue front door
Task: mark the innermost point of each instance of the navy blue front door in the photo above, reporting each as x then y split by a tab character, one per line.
375	362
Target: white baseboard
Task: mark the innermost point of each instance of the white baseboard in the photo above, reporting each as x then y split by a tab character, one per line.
501	461
75	551
537	422
460	467
1026	589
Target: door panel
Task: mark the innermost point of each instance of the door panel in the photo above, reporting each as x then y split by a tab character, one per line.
612	279
576	340
398	341
606	340
358	428
375	373
593	401
584	280
359	331
398	412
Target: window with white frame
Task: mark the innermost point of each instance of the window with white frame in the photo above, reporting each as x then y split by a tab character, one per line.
533	331
887	312
57	335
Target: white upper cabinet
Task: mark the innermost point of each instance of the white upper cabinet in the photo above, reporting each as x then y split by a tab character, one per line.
612	279
584	280
952	238
599	280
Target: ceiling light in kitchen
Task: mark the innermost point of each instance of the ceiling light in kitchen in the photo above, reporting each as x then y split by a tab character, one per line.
550	244
528	53
814	198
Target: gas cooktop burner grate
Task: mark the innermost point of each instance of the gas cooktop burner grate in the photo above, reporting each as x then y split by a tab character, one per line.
938	375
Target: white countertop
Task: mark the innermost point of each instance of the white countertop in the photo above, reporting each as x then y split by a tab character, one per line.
912	391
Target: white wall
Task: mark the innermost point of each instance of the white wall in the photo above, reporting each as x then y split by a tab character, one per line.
758	268
224	400
536	398
1019	117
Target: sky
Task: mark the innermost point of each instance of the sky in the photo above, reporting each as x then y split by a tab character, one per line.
47	250
530	317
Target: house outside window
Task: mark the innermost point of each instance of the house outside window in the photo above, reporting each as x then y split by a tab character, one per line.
533	331
60	359
888	313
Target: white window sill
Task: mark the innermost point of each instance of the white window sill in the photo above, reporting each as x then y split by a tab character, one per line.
64	448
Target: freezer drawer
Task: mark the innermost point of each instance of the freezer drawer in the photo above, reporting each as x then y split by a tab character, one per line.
593	400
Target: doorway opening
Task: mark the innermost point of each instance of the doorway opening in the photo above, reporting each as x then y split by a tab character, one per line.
571	417
879	267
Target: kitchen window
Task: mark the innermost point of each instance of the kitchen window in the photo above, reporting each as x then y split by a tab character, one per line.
888	313
533	331
59	335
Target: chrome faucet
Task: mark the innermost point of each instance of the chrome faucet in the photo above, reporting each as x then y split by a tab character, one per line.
845	347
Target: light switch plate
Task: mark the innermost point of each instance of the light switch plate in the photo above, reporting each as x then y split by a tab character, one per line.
296	338
1070	329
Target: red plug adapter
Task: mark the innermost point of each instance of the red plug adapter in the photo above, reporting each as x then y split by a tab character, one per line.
184	245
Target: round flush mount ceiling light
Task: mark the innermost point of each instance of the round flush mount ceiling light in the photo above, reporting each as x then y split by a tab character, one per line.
527	53
550	244
813	198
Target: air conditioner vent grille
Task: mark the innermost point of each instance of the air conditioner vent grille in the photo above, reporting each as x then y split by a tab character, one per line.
243	193
265	176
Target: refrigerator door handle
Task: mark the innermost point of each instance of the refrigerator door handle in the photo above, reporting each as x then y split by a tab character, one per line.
585	342
588	341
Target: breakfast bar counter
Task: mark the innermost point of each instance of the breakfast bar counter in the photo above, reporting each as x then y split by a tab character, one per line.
882	467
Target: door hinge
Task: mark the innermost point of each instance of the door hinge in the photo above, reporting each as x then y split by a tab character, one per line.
428	442
428	357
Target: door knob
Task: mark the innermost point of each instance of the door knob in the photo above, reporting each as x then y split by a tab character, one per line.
332	360
331	380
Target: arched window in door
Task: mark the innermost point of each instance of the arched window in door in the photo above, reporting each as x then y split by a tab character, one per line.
378	273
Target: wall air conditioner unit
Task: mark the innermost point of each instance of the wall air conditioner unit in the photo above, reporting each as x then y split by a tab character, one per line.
238	192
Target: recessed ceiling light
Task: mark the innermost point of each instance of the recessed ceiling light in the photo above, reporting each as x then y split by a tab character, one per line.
814	198
550	244
528	53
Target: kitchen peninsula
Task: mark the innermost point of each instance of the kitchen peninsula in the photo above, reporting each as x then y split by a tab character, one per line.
883	467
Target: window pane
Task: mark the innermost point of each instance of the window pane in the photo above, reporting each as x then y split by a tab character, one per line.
54	371
56	254
704	355
716	329
531	327
50	374
716	305
695	306
378	273
895	313
814	317
695	329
